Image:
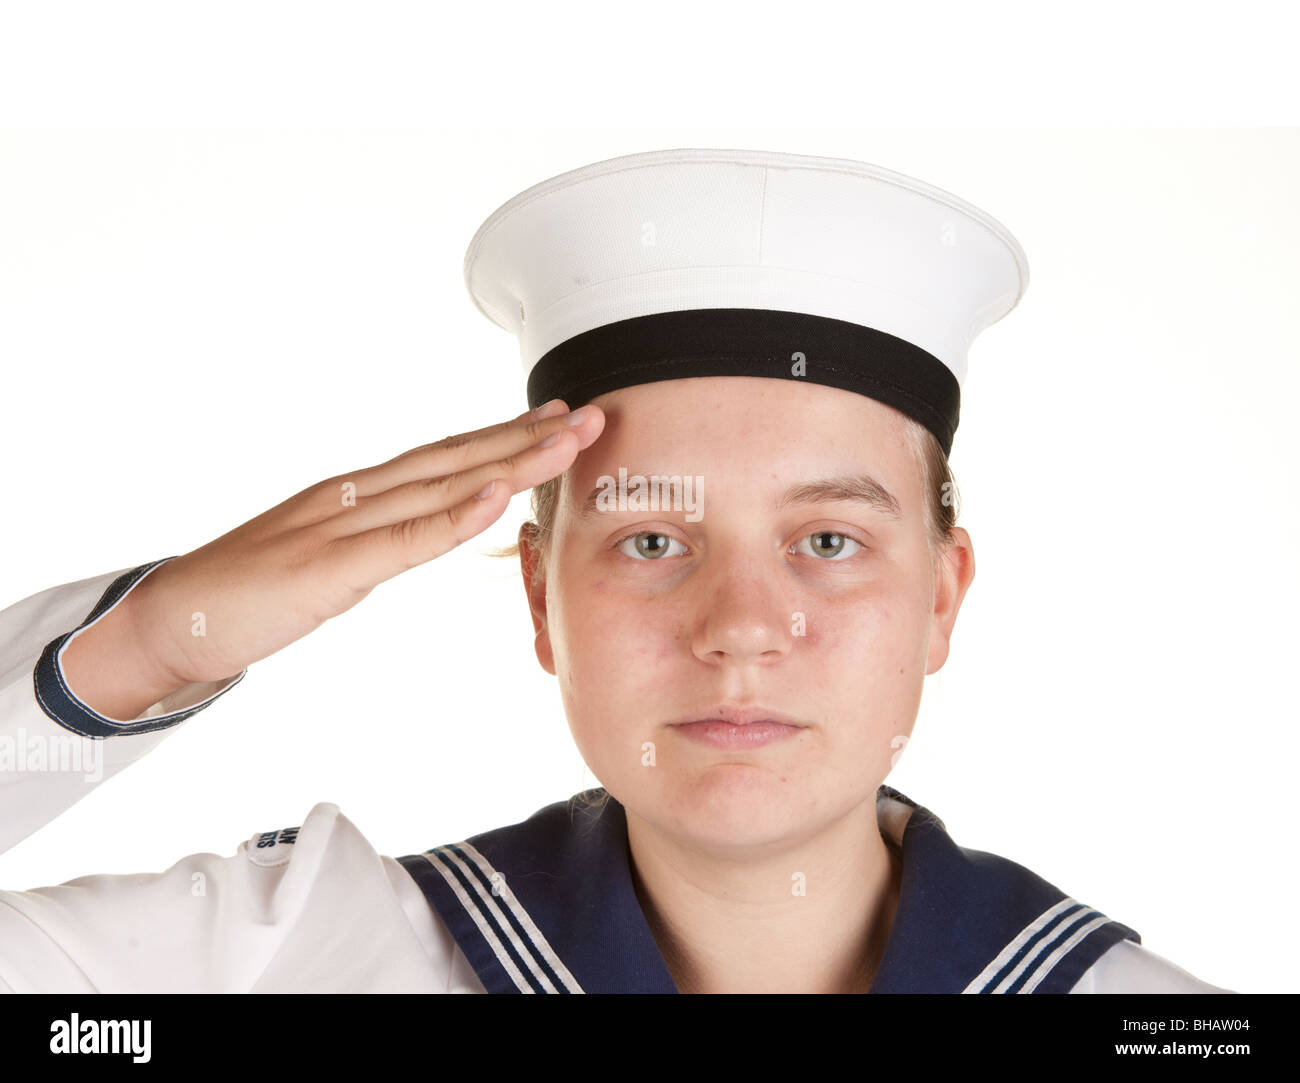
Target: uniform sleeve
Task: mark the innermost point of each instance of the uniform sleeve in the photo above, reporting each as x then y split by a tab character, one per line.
306	909
1129	967
54	749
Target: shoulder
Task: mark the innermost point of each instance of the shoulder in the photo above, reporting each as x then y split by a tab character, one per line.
1128	967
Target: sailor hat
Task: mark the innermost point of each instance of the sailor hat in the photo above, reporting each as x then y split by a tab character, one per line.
682	263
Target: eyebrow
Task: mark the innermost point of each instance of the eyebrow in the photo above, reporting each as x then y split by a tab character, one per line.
857	488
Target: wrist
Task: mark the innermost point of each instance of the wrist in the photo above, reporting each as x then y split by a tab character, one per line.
113	670
153	629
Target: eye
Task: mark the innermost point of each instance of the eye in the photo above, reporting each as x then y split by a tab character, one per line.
832	544
647	545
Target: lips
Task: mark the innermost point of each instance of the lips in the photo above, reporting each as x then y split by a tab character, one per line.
733	729
739	716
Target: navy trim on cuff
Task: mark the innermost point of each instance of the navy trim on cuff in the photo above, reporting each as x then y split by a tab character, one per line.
57	700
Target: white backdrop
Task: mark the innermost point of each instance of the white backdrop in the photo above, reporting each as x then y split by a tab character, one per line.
195	325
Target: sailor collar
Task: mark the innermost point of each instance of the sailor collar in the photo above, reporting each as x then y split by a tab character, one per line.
547	905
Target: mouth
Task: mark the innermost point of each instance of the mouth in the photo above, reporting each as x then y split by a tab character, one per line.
739	716
728	727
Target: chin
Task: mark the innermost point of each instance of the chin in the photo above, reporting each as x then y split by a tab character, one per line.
735	804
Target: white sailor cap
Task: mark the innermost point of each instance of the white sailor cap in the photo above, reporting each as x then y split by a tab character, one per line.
681	263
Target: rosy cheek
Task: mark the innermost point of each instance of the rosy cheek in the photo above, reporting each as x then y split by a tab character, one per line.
832	627
610	630
863	631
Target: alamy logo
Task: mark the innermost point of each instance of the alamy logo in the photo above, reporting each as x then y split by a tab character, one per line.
77	1035
23	751
655	493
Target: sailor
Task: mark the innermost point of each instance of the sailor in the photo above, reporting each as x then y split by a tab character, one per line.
739	308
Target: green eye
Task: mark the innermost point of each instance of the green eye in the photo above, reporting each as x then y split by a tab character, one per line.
834	550
648	545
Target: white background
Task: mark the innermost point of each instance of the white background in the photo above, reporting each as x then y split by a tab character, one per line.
196	323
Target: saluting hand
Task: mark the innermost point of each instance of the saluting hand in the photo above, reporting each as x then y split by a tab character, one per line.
316	555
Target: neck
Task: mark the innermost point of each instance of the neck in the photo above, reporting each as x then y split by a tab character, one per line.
811	915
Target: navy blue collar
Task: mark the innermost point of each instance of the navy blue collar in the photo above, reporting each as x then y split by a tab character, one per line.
547	905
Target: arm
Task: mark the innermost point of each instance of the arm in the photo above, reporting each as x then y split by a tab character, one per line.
107	667
265	584
121	658
323	912
55	747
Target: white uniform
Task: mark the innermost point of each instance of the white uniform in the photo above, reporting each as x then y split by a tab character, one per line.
546	905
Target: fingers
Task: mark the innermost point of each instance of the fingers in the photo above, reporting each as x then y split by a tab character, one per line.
417	521
463	451
378	554
427	496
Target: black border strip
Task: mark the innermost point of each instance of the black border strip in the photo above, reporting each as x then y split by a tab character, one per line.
751	342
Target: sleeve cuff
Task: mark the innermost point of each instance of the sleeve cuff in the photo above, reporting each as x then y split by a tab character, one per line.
58	701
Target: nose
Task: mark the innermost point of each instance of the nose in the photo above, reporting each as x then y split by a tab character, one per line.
743	614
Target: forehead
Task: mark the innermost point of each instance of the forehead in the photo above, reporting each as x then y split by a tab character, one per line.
748	438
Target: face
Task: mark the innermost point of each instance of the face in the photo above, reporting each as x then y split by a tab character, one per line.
744	592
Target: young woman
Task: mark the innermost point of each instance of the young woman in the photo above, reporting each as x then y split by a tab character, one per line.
743	564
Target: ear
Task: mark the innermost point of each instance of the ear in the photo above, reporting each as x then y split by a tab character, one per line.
535	588
954	570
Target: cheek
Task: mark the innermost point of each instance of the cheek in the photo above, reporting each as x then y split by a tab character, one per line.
866	659
604	655
598	624
877	630
604	649
600	627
